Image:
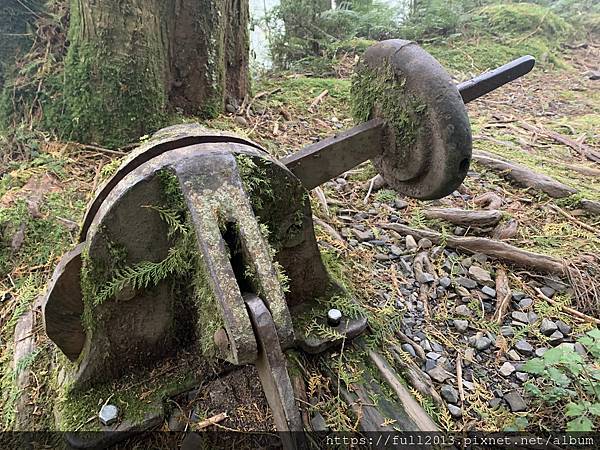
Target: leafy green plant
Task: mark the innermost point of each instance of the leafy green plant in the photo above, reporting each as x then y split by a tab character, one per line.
563	376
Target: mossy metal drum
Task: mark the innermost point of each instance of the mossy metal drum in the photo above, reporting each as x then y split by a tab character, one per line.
427	141
223	184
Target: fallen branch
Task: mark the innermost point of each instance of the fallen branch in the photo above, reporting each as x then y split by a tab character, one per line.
582	149
376	183
523	176
417	378
212	421
459	379
318	100
573	219
475	218
503	295
412	408
591	206
588	171
416	347
490	247
574	312
329	230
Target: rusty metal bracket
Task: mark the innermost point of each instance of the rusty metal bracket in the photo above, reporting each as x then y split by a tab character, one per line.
272	370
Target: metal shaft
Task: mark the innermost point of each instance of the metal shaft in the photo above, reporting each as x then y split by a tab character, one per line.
331	157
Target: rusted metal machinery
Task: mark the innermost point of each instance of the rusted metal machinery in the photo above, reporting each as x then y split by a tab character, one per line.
201	240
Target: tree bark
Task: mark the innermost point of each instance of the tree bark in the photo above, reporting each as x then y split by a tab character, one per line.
16	16
132	63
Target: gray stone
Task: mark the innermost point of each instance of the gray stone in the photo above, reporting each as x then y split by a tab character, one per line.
425	243
539	352
426	345
449	394
520	316
490	292
480	258
445	282
433	355
177	421
525	303
230	108
522	376
518	295
466	282
466	262
437	347
507	331
515	401
459	231
514	355
461	325
241	121
318	423
430	364
482	343
425	278
410	242
494	402
363	236
580	349
409	349
108	415
400	204
524	347
480	275
463	310
455	411
438	374
548	291
507	369
532	317
397	251
563	327
469	356
556	338
547	327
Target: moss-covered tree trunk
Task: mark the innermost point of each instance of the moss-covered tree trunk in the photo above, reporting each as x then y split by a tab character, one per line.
16	17
133	62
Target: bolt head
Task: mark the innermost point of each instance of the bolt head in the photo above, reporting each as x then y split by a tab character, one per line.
334	317
108	415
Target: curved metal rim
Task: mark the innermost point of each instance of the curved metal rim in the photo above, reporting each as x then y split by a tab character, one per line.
146	156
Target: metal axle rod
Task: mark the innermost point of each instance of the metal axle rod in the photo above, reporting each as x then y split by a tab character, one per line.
331	157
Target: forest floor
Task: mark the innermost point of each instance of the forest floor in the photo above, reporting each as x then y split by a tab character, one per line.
471	326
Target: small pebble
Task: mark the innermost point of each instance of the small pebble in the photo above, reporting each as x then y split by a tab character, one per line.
524	347
449	394
455	411
507	369
461	325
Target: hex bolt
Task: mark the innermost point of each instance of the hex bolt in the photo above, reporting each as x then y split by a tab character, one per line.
334	317
108	415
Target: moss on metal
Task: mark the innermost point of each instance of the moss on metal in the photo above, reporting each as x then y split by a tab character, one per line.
380	92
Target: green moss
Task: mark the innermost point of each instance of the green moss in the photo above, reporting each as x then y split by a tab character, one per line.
382	90
110	97
136	395
519	19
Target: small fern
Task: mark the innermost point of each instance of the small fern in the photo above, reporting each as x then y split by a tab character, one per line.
145	274
172	218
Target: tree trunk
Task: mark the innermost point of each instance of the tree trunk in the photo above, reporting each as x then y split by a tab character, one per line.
16	16
132	63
